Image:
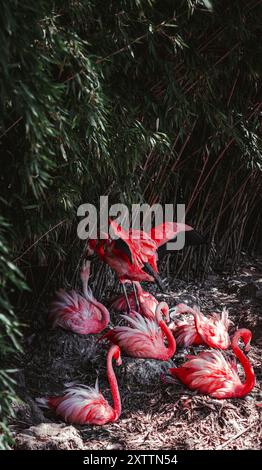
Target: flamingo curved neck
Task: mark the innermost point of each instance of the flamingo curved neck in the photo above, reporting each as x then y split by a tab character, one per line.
113	386
171	349
85	288
162	308
249	383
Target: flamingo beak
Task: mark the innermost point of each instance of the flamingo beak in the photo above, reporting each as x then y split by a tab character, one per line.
167	317
119	361
173	313
149	270
90	252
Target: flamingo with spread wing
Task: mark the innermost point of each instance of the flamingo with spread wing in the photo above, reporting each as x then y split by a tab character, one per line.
133	254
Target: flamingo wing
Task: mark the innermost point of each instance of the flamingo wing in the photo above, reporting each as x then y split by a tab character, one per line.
120	304
143	339
147	301
81	405
144	248
73	312
209	373
185	333
136	244
133	255
148	305
167	231
122	242
213	330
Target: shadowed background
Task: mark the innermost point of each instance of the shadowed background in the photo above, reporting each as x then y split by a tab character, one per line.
145	101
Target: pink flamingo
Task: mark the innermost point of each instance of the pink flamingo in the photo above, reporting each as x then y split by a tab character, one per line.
133	254
211	330
86	405
145	301
83	315
212	374
145	338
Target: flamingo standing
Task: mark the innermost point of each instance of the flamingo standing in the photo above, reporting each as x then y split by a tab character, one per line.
86	405
133	254
75	312
212	374
145	301
211	330
144	338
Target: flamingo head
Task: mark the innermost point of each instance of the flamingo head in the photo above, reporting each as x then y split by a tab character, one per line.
246	337
138	288
91	246
117	355
85	271
162	309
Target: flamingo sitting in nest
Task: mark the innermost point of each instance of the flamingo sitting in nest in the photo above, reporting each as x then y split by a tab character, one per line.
212	374
86	405
211	330
139	299
75	312
144	338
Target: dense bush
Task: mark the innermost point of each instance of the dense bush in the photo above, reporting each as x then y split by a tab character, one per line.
144	100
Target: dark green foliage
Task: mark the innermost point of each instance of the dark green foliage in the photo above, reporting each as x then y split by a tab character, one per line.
145	100
11	281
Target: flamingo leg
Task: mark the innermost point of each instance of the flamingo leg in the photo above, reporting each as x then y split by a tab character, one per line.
126	297
136	297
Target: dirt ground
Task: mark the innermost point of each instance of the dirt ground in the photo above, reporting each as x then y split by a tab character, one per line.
155	415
